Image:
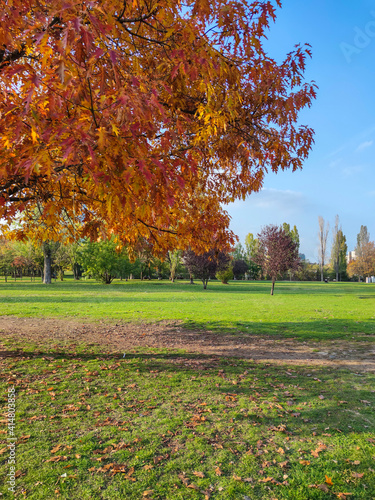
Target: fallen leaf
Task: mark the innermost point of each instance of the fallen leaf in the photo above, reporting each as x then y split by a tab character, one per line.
56	448
358	474
329	481
304	462
198	474
147	492
193	486
218	471
323	487
321	447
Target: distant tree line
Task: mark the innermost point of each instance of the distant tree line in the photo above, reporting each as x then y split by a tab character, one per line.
273	254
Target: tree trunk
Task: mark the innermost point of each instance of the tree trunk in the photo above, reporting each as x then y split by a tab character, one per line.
205	284
47	272
272	286
191	279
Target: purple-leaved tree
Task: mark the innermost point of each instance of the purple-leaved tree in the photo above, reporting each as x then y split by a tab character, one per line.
277	252
206	265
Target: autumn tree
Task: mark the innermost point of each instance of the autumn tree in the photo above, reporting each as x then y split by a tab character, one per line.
363	253
143	118
339	250
322	250
205	266
364	263
277	252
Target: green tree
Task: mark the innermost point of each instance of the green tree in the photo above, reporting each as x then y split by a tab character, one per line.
251	249
173	260
239	252
225	275
102	259
339	250
293	234
251	246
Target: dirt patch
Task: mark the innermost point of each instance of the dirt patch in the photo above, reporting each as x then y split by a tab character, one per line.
124	337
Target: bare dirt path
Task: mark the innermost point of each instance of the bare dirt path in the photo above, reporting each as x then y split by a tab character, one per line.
124	337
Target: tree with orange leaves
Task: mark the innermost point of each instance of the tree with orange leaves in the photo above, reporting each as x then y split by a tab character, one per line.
142	119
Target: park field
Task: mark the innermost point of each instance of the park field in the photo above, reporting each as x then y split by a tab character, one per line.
301	310
172	424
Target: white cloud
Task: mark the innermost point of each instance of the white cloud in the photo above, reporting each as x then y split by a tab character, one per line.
364	145
335	163
278	202
355	169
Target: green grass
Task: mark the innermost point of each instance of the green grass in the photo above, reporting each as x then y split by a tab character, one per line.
305	311
184	426
166	424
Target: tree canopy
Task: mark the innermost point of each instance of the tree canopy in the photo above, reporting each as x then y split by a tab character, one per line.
142	118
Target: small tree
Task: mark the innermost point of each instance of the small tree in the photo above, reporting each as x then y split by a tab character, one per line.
240	267
206	265
277	252
225	275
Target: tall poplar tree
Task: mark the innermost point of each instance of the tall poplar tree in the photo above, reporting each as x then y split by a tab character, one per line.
339	250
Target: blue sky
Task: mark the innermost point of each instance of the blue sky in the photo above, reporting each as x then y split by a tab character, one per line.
339	175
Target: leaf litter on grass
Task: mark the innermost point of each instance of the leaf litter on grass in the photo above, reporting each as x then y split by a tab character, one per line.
202	427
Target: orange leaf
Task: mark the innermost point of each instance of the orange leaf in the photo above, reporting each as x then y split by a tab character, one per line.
329	481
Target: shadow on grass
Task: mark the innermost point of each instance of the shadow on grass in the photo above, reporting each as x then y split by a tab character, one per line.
280	396
323	329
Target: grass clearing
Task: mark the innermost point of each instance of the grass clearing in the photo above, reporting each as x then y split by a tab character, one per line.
166	424
305	311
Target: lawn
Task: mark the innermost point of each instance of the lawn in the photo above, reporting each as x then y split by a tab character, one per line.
167	424
300	310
